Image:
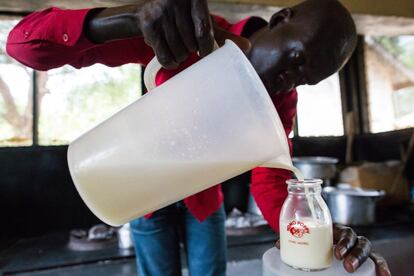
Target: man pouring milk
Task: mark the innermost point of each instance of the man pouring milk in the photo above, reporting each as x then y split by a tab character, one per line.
300	45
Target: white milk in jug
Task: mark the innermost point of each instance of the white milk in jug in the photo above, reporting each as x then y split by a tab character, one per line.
148	186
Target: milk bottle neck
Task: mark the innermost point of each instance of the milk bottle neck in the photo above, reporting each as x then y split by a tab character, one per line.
309	187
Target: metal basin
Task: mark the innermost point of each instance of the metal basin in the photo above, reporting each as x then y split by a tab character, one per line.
317	167
352	206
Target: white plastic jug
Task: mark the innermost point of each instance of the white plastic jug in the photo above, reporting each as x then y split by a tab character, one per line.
211	122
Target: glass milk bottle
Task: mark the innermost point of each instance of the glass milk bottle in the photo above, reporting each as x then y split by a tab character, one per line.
306	241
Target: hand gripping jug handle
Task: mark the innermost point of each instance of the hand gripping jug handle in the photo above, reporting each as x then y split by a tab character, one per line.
152	69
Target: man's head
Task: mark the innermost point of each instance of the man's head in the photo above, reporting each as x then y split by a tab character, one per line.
303	44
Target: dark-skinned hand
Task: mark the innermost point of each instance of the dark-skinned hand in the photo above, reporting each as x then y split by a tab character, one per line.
354	251
175	29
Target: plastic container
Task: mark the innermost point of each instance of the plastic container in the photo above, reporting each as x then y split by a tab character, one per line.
125	240
209	123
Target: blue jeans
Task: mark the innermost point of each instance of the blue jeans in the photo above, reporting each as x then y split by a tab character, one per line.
157	242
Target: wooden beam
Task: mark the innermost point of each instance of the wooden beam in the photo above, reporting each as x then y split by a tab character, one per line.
373	17
34	5
404	8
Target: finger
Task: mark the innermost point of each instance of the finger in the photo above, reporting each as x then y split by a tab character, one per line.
338	232
185	27
358	254
381	265
154	37
345	239
202	27
277	244
221	35
173	39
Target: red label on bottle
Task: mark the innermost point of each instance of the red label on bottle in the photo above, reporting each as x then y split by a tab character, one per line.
297	228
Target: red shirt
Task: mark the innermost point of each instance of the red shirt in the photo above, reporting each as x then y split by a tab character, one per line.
53	37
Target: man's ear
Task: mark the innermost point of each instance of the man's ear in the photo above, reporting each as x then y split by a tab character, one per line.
281	16
220	35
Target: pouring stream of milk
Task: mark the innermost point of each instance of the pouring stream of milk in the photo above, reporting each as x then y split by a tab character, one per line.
300	177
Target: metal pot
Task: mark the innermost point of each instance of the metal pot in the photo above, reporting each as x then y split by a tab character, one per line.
352	206
317	167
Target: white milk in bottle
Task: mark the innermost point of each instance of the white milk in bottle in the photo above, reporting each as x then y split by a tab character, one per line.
306	238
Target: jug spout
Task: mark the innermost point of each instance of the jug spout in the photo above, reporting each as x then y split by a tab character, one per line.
280	162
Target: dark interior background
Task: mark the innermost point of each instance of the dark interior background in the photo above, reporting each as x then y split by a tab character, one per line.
37	195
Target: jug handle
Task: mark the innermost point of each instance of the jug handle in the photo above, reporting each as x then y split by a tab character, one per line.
152	69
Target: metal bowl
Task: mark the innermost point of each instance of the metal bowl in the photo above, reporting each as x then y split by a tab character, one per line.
317	167
352	206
